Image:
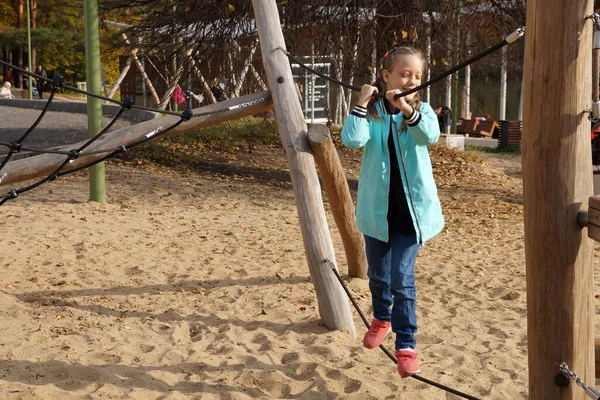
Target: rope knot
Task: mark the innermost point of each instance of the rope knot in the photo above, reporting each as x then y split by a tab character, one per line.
73	154
15	147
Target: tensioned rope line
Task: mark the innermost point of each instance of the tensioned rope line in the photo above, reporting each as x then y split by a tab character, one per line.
386	351
590	391
509	39
186	116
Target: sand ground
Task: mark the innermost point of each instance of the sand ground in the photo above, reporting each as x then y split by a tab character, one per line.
196	286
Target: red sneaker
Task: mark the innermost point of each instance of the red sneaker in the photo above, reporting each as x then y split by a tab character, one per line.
407	362
376	333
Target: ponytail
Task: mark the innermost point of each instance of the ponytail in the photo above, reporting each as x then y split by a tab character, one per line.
379	84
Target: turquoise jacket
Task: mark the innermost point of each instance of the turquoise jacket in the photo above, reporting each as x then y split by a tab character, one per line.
415	169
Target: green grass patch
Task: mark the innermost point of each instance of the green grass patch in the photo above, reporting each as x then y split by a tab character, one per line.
241	134
182	152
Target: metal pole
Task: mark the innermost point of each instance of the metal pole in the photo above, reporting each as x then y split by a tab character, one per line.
29	80
94	85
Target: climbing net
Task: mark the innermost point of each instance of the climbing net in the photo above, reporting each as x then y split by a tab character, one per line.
87	148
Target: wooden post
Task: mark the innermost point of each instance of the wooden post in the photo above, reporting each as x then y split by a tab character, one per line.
333	303
557	182
338	192
42	165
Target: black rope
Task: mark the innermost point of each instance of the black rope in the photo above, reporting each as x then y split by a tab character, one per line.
438	78
386	351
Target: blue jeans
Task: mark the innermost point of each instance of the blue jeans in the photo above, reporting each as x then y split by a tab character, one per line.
392	282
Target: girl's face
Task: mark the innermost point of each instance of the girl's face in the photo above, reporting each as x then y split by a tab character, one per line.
405	74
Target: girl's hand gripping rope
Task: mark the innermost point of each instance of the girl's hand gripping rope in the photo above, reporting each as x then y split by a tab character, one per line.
366	93
400	102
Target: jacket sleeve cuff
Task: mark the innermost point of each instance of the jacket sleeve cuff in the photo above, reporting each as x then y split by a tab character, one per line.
359	111
414	118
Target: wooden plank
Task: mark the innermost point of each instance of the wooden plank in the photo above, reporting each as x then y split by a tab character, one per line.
340	199
594	216
594	232
594	202
557	180
44	164
333	304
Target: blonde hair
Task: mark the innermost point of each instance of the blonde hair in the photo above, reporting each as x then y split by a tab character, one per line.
388	62
7	84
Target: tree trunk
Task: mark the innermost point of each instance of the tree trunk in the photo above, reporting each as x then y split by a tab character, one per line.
333	303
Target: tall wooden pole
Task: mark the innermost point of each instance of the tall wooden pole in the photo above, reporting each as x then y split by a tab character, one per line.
557	178
334	308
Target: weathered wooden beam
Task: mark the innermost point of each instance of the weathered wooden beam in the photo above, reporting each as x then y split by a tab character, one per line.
340	199
333	303
44	164
142	71
557	181
205	86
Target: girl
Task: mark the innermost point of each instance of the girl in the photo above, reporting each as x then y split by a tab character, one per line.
398	208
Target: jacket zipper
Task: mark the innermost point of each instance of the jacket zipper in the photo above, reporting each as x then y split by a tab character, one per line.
412	202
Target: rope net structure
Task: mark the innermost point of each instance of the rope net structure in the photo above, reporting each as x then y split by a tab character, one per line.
86	149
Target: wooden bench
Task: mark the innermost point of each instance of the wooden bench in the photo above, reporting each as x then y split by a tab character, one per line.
488	128
479	128
468	126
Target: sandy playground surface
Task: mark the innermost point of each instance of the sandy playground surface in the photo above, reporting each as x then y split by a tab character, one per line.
196	286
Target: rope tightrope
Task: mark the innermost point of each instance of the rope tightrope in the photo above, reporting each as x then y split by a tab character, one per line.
386	351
